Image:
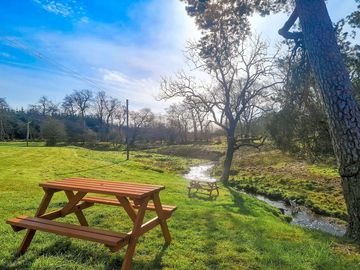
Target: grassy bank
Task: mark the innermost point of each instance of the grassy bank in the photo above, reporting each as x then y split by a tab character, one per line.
203	151
277	175
234	231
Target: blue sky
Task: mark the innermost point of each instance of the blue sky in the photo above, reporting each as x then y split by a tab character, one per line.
50	47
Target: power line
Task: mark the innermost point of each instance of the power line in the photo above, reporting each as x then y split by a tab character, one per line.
64	69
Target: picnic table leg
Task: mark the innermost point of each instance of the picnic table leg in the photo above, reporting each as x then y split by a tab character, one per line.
79	213
30	233
134	235
163	223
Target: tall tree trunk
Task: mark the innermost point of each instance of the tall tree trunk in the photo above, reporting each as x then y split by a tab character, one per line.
338	97
193	118
231	143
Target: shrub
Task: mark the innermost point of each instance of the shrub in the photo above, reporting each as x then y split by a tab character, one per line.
53	131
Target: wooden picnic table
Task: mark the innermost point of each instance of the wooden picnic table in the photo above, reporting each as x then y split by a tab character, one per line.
208	185
133	197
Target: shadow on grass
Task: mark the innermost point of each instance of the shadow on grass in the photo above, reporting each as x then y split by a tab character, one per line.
239	206
83	256
202	196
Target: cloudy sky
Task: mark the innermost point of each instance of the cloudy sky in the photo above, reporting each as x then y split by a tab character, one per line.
50	47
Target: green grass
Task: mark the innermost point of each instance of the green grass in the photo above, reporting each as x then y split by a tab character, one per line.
277	175
235	231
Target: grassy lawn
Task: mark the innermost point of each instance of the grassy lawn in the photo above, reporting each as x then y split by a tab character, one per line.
277	175
235	231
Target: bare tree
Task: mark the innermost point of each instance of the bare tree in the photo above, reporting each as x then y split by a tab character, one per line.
82	99
180	118
120	115
69	106
47	107
199	116
100	101
241	72
139	119
111	106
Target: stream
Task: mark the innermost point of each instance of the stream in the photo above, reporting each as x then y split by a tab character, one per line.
301	215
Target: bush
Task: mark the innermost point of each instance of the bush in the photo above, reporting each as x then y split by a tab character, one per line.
89	137
53	131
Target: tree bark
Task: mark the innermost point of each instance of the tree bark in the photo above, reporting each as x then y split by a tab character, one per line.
338	97
231	144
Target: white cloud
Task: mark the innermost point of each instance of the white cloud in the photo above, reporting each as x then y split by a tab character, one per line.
126	64
65	8
85	19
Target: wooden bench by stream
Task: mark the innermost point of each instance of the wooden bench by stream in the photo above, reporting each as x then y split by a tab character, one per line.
209	186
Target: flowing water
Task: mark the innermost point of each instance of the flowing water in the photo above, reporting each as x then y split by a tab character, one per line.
301	215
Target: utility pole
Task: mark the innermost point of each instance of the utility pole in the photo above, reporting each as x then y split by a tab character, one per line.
27	133
127	130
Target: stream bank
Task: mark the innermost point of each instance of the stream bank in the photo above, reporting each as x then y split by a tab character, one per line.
301	215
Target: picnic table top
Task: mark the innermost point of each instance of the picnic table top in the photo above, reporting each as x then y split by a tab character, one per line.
132	190
203	180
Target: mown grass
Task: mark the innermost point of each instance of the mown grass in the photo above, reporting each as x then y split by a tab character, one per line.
235	231
280	176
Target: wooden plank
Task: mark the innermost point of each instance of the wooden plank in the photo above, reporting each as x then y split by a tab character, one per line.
162	218
69	230
117	182
133	190
99	190
57	213
128	208
114	202
78	212
31	233
72	203
136	232
152	223
94	182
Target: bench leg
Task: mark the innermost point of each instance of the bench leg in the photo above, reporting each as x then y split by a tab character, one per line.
134	235
31	233
79	213
163	223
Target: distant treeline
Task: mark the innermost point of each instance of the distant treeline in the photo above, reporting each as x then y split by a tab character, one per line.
85	117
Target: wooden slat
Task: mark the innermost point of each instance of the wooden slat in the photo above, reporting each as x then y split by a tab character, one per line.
110	201
90	183
31	233
131	190
152	223
93	189
117	182
78	212
114	184
128	208
162	218
97	235
88	187
57	213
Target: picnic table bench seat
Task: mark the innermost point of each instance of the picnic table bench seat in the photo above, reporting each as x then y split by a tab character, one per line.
113	240
168	209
